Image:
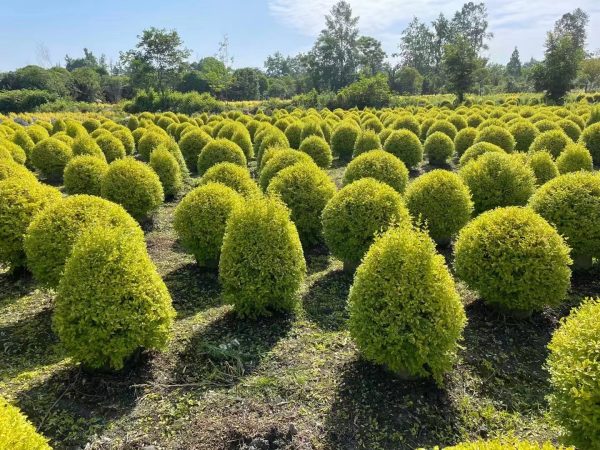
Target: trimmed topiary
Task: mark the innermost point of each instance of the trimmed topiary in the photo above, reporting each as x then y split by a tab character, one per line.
279	161
220	150
405	145
570	128
498	136
505	444
200	219
476	150
405	312
111	302
86	145
149	141
166	167
575	157
126	138
524	133
439	148
50	157
571	203
498	179
443	126
343	139
236	177
83	175
133	185
111	147
574	366
21	200
543	167
262	265
191	144
590	137
318	149
464	139
10	169
305	190
553	141
378	164
356	213
442	201
18	433
293	132
22	140
51	235
514	259
368	140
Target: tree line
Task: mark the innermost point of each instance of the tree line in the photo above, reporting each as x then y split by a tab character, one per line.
443	56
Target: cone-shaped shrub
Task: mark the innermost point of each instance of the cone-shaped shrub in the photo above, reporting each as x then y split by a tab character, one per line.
305	190
574	366
590	137
514	259
498	136
405	145
571	203
50	157
439	148
262	265
166	167
50	237
200	219
378	164
111	301
318	149
575	157
83	175
476	150
21	200
217	151
18	433
236	177
442	201
405	312
543	167
133	185
553	141
191	144
498	179
356	213
464	139
343	139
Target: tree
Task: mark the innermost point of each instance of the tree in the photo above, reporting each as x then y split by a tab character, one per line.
248	83
573	24
460	63
86	84
407	81
333	57
513	68
416	47
159	57
471	23
88	60
590	73
370	57
214	74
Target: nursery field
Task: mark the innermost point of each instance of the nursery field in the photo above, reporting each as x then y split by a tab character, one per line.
177	282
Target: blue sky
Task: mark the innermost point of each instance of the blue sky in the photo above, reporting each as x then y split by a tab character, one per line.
255	28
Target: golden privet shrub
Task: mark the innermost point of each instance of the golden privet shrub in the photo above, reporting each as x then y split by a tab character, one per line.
378	164
232	175
50	157
83	175
18	433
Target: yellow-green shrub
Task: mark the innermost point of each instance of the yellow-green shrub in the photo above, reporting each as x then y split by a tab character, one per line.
368	140
478	149
378	164
10	169
553	141
232	175
191	144
166	167
590	137
111	147
575	157
279	161
343	139
318	149
498	136
464	139
18	433
149	141
405	145
50	157
217	151
86	145
505	444
439	148
83	175
544	167
524	133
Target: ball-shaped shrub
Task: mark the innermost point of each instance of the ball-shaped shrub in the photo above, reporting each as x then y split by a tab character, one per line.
21	200
262	265
10	169
378	164
200	219
86	145
443	126
293	132
574	157
498	136
51	235
5	154
543	167
498	179
553	141
343	139
590	137
111	147
279	161
220	150
127	139
305	190
464	139
356	213
133	185
405	312
368	140
440	200
574	366
50	157
524	133
83	175
318	149
478	149
405	145
191	144
515	259
439	148
111	302
570	128
23	145
571	203
234	176
18	433
149	141
166	167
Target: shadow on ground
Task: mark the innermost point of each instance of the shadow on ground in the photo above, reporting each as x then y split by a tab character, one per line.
325	301
193	289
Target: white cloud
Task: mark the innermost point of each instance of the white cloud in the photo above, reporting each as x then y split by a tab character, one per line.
523	23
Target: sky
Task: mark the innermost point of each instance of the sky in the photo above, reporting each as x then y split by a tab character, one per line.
42	32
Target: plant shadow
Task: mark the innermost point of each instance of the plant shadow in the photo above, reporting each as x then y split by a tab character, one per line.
325	300
317	259
15	284
193	289
373	408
